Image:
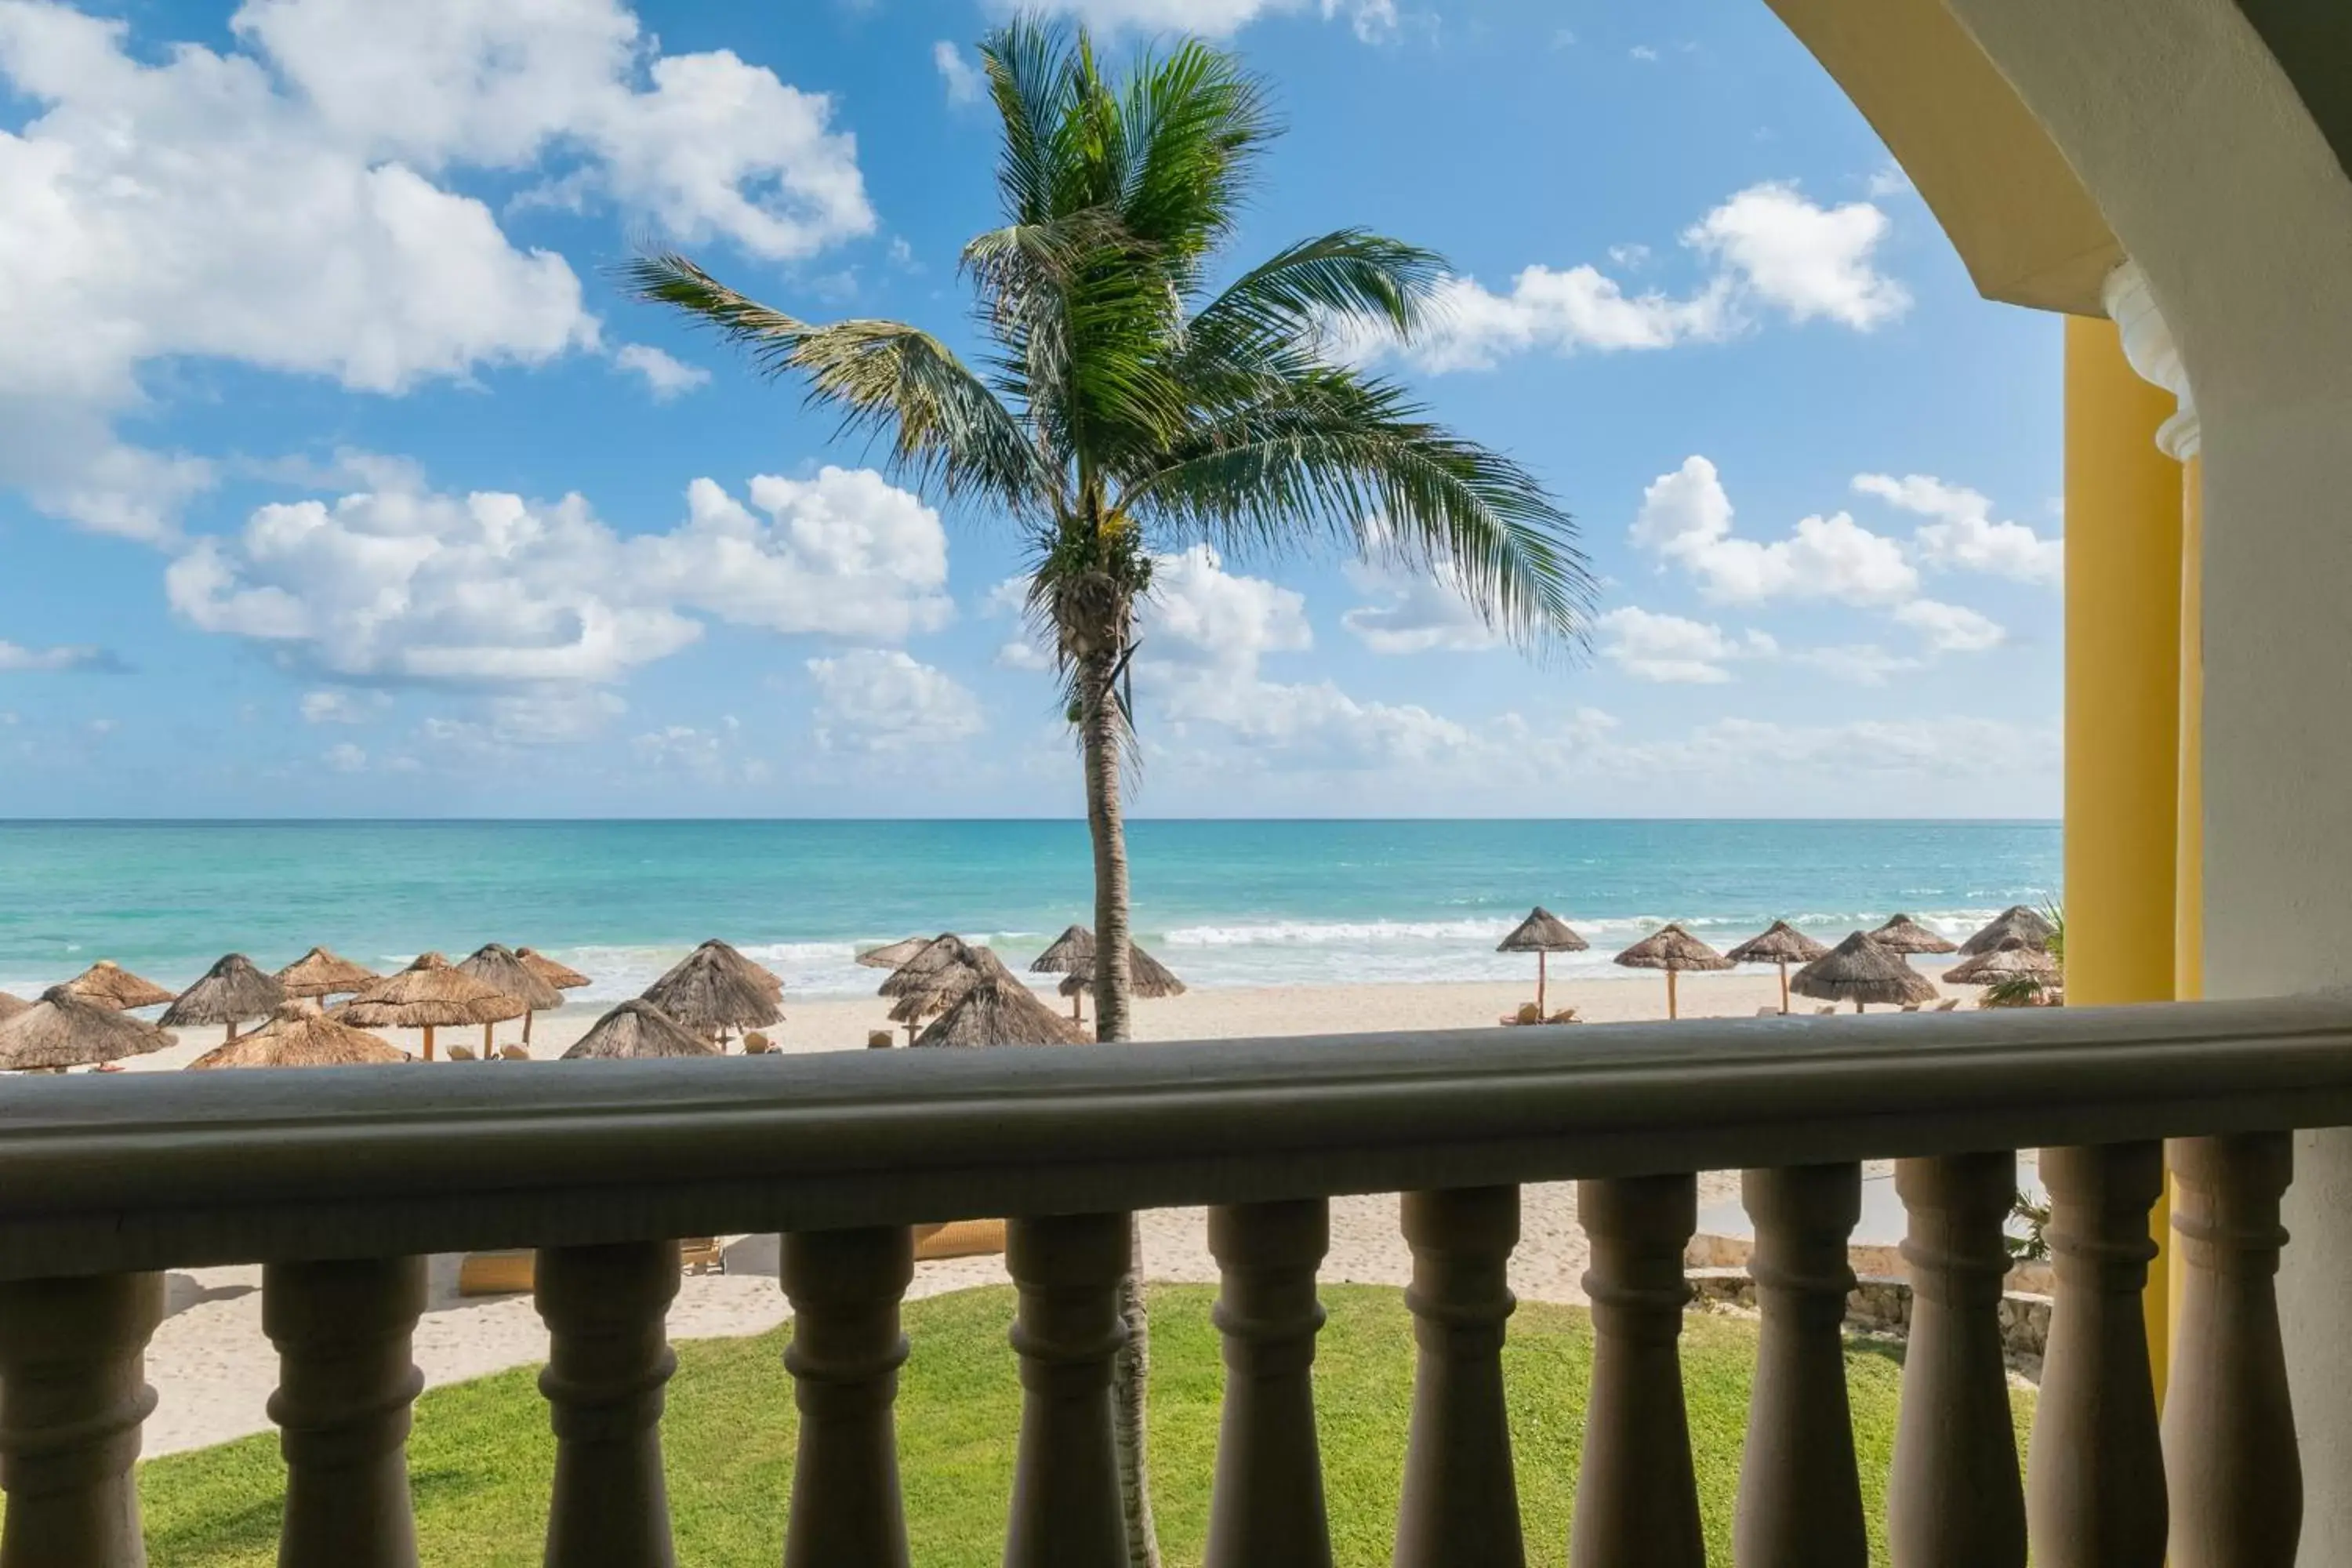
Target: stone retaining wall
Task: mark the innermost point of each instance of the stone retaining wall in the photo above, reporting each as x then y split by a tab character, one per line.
1881	1305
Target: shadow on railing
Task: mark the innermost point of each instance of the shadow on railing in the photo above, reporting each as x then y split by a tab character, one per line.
340	1181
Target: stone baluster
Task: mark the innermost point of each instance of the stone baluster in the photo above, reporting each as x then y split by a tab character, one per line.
73	1391
1066	1496
1267	1503
1956	1499
1460	1502
1800	1490
1636	1495
346	1381
2095	1483
608	1360
2229	1426
845	1355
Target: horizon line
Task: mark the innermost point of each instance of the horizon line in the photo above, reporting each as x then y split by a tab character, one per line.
323	821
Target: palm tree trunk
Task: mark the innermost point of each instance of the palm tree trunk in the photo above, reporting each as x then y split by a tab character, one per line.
1132	1373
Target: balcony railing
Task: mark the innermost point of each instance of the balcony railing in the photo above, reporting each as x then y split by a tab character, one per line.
339	1181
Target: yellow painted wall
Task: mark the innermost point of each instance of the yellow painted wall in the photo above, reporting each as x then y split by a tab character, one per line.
2124	609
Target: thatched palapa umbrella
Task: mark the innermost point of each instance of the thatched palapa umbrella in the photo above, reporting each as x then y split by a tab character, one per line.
1673	949
1862	969
12	1006
319	973
300	1036
636	1029
937	977
891	955
998	1010
562	976
2015	957
2028	925
429	995
1542	933
715	988
1073	952
64	1029
1905	935
500	969
231	992
1783	945
108	984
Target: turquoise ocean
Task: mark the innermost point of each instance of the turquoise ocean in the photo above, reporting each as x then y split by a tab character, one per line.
1224	903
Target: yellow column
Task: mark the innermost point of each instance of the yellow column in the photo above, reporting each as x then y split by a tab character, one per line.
2122	692
2188	857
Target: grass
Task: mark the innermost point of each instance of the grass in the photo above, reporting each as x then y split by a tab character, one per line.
481	1456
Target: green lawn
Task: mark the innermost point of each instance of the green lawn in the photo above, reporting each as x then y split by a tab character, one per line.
481	1456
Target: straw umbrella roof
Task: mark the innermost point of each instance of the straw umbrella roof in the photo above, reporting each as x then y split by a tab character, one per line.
1904	934
300	1036
429	994
562	976
2015	957
1148	979
12	1006
1066	953
917	1005
1780	943
2028	925
1861	969
1671	947
1543	931
716	988
319	973
64	1029
109	985
938	958
998	1010
231	992
890	955
500	969
637	1028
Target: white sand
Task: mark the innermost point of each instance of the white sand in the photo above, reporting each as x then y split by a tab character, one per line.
214	1369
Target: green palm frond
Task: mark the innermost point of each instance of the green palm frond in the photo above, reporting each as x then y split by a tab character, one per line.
1350	276
944	427
1347	459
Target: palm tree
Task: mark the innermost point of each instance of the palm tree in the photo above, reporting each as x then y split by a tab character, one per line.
1128	405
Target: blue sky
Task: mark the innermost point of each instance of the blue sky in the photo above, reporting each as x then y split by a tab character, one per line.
336	477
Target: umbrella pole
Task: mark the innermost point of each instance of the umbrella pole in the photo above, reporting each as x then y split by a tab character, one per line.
230	1038
486	1052
1784	988
526	1018
1671	1006
1542	961
428	1042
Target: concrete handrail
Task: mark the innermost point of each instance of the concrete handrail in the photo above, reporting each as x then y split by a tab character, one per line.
143	1172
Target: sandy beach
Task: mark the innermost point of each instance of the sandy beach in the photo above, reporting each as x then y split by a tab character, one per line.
214	1369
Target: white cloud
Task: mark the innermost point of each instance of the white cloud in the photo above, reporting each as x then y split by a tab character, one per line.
1686	519
1372	20
283	205
963	80
882	700
1951	628
1802	260
331	705
491	589
1889	180
1964	535
345	758
17	659
1416	613
1770	249
1858	664
1205	631
1671	650
665	377
712	756
1643	52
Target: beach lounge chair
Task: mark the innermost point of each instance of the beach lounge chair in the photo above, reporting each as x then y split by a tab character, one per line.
1825	1012
1910	1006
1527	1014
461	1053
1767	1012
1948	1004
515	1053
